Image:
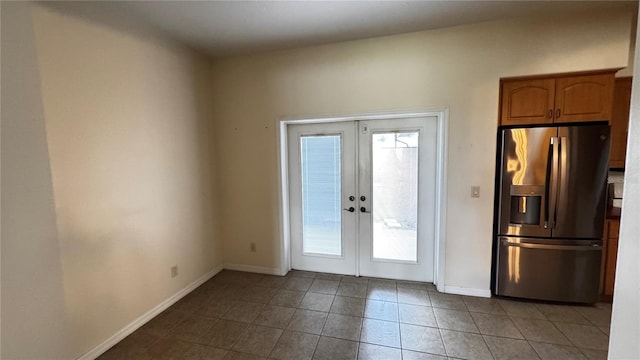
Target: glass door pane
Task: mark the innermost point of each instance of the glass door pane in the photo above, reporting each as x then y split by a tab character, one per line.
321	194
395	195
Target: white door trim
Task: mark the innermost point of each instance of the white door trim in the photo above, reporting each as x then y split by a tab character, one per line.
441	183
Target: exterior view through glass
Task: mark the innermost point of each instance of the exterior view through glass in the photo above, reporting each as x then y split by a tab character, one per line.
395	195
321	194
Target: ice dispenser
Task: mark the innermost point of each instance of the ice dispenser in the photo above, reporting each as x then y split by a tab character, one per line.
526	201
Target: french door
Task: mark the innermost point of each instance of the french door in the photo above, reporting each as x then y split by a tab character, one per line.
362	197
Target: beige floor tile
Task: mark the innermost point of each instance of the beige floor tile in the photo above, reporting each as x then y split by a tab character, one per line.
245	316
352	289
300	273
290	298
308	321
446	301
257	340
496	325
335	349
562	313
204	352
585	336
465	345
483	305
343	327
322	286
376	352
540	331
348	306
592	354
272	281
223	334
215	308
597	315
243	311
414	355
163	323
508	349
522	309
421	338
381	310
455	320
317	302
417	315
275	316
192	328
234	355
348	279
412	285
556	352
413	296
380	332
294	345
383	293
326	276
298	283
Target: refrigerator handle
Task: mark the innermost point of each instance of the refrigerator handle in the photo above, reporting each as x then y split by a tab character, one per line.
592	247
553	184
563	172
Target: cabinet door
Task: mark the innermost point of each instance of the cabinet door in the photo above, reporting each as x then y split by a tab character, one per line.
527	102
620	122
584	98
612	256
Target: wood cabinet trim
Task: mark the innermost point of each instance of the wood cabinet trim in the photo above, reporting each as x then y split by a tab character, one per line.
561	75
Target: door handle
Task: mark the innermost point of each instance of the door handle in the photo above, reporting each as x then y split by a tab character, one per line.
364	210
351	209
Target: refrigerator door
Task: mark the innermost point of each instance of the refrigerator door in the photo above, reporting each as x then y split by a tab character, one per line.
526	169
582	181
553	270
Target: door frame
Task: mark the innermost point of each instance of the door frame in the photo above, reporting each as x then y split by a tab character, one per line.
441	115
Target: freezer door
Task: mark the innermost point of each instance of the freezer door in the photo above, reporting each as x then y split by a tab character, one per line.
582	181
525	163
553	270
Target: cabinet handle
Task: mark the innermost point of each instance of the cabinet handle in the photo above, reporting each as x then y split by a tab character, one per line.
550	114
558	114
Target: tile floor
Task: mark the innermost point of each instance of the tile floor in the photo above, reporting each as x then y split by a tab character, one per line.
305	315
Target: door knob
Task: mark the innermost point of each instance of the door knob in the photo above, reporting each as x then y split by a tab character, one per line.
351	209
364	210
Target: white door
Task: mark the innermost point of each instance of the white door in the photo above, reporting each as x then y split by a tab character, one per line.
322	177
362	197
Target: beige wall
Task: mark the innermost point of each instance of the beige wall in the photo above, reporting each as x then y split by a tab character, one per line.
455	68
34	319
130	187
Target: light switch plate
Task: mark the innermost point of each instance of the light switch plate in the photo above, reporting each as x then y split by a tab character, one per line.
475	191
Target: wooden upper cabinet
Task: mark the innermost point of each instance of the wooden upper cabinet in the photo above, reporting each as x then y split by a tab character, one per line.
557	99
620	122
527	101
584	98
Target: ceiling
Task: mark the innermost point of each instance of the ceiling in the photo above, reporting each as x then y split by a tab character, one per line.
224	28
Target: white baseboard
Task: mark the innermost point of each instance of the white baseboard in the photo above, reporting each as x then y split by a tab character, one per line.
137	323
486	293
253	269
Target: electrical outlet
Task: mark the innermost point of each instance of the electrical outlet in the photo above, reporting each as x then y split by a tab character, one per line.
174	271
252	247
475	191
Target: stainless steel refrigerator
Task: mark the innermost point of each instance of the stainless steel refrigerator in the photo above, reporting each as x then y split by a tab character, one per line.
551	203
